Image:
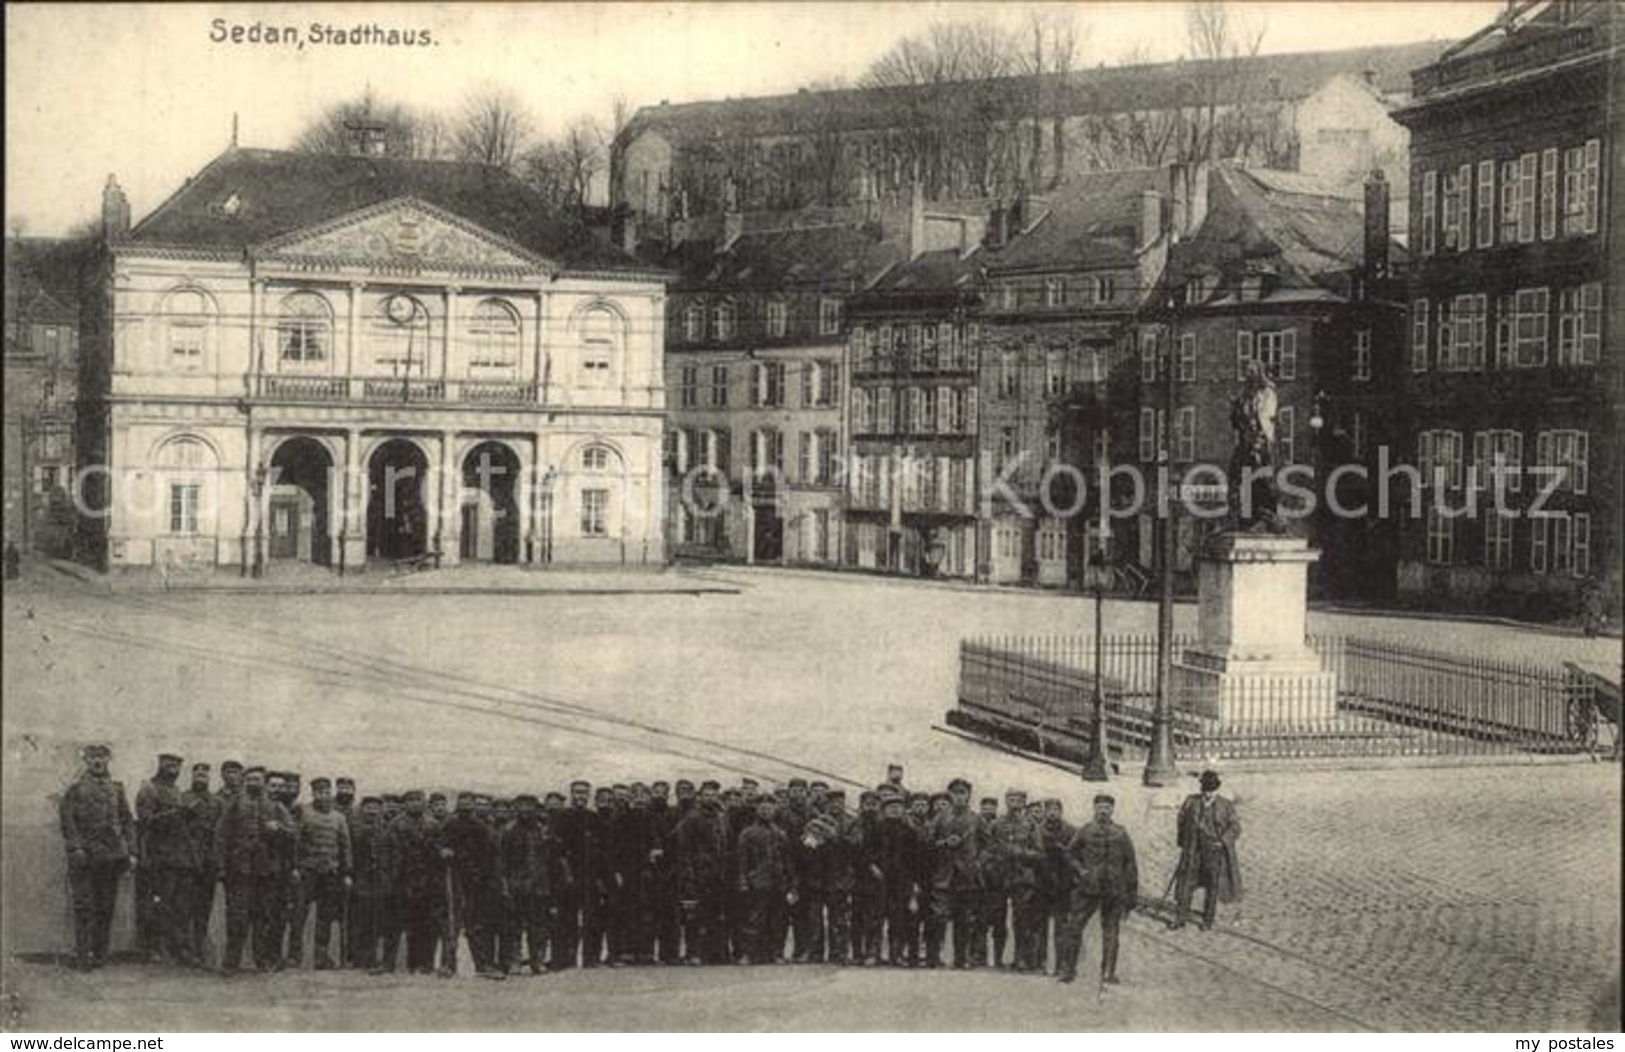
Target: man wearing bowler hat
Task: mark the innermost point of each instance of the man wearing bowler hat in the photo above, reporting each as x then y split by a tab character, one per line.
1207	832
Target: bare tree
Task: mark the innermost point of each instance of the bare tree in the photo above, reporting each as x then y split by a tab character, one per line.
563	169
1053	38
493	127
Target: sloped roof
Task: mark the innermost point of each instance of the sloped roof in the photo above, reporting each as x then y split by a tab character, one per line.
1310	240
43	277
847	256
1091	220
278	192
1162	85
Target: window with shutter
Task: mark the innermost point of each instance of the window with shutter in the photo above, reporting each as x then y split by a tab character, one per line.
1528	172
1509	202
1148	435
1537	543
1548	193
1582	544
1428	213
1286	434
1244	354
1419	336
1504	357
1486	204
1589	186
971	421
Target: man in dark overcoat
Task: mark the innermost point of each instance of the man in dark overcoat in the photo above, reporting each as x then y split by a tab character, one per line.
1207	832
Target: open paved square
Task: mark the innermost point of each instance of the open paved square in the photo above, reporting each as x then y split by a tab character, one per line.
1483	898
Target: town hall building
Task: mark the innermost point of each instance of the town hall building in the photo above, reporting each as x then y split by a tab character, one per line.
355	361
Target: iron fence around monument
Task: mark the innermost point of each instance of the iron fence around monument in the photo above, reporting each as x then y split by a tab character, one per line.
1033	693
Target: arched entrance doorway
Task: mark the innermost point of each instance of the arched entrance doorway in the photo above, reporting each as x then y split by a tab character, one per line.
397	517
299	508
490	524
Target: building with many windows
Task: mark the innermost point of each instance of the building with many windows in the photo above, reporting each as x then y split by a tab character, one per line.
43	277
1512	376
1282	274
756	381
342	360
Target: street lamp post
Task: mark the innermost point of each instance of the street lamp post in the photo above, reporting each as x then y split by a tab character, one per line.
547	497
1094	761
1159	762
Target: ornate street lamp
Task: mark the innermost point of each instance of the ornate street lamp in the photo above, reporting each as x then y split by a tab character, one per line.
1159	762
1094	761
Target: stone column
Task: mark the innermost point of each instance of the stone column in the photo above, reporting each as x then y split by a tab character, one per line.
353	537
253	503
352	334
448	486
256	334
447	337
539	377
524	502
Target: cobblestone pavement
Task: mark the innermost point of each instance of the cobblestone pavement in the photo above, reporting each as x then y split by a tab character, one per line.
1467	899
1464	898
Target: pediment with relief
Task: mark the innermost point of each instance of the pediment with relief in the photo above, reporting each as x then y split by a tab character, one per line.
408	233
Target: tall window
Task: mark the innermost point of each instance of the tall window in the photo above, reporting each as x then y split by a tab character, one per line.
1441	537
1560	543
1486	204
304	328
1009	374
1362	355
1498	461
829	316
184	465
1278	353
1450	191
1185	434
1419	336
1150	366
688	387
1498	540
1054	373
778	318
767	384
1286	434
595	512
1054	293
1528	174
187	320
493	335
722	321
1530	321
600	341
767	451
1438	458
719	385
1503	332
1580	188
694	323
1567	455
1150	435
1462	334
1429	212
1579	325
1187	358
1548	193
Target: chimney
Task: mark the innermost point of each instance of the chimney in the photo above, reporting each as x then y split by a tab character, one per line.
997	225
1376	226
916	221
115	211
1150	217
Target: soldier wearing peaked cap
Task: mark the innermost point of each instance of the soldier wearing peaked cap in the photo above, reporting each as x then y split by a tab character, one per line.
99	834
249	841
956	838
322	863
164	878
1105	880
476	868
202	814
418	851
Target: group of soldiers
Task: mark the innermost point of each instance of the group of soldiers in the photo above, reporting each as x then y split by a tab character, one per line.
613	876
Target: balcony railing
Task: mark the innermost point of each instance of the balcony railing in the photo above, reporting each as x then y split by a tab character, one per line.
394	390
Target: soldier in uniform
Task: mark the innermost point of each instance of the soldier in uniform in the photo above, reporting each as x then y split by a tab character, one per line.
248	843
99	834
1206	833
167	860
323	862
372	870
202	815
344	804
832	861
991	918
868	890
418	851
1054	876
1020	857
476	864
283	786
895	862
534	873
766	882
805	915
580	907
956	840
919	819
664	922
699	847
1105	880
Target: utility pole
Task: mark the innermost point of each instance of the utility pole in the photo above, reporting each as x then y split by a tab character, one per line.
1159	761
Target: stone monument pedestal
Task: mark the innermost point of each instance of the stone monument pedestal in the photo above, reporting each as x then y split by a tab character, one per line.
1251	664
